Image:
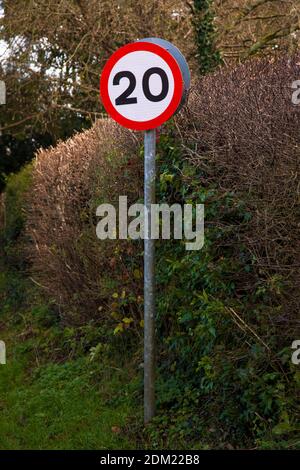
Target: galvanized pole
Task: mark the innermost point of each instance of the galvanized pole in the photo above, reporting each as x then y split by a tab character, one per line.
149	279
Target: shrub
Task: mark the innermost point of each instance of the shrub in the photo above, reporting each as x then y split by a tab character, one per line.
225	376
226	315
12	216
70	181
242	130
208	56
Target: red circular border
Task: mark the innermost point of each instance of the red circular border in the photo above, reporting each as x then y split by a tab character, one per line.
178	86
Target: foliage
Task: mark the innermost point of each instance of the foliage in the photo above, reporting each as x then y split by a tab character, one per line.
71	404
12	218
15	152
88	278
225	314
256	27
62	388
51	58
17	185
222	383
56	51
203	20
242	132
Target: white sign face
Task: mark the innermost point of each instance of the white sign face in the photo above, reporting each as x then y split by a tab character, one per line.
145	82
141	86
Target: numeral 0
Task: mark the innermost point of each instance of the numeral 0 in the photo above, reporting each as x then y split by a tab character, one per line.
125	97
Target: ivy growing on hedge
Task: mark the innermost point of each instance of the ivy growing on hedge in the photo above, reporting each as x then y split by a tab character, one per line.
203	21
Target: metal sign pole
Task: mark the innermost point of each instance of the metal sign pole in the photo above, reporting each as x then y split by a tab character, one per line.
138	62
149	279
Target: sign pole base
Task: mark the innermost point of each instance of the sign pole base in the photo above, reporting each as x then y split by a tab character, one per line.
149	279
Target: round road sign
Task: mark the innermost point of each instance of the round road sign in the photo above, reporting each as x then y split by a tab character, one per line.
142	85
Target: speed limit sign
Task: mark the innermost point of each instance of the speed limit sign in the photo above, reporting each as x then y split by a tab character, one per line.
142	84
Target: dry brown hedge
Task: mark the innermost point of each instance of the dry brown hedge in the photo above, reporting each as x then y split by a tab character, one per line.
69	182
243	130
240	127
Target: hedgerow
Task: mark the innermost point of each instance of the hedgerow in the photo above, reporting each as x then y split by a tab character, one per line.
81	273
225	378
227	314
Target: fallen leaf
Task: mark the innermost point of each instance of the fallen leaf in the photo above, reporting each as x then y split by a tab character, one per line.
116	429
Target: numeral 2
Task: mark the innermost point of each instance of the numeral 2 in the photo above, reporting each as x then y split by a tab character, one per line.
124	97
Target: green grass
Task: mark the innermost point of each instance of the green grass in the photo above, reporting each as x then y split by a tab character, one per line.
63	406
55	394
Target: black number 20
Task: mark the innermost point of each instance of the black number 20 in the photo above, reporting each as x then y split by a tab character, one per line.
125	98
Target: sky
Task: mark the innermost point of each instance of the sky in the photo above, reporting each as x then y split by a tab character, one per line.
3	46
